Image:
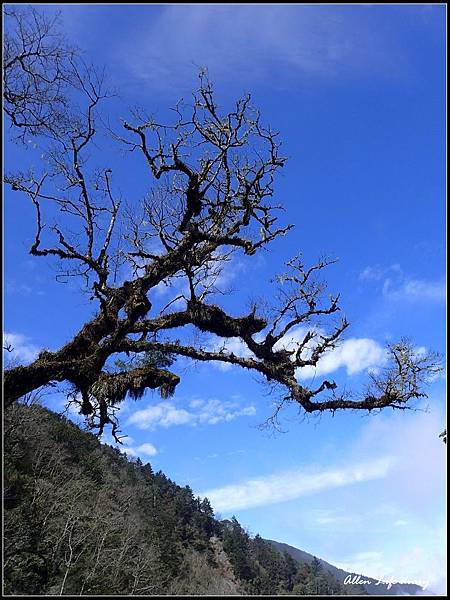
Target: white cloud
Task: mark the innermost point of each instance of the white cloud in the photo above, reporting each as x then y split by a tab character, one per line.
354	354
146	449
209	412
401	523
128	445
23	351
163	414
289	485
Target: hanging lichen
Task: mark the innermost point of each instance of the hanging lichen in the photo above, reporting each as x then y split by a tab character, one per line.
114	387
167	390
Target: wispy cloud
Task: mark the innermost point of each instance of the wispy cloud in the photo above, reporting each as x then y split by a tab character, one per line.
328	517
214	411
377	273
208	412
358	518
415	289
280	487
397	285
22	349
21	289
252	43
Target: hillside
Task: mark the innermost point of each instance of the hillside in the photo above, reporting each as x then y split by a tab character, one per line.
80	518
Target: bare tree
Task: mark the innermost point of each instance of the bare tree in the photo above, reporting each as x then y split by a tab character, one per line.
213	178
38	69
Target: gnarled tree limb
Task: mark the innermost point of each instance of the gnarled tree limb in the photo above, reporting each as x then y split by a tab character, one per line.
212	197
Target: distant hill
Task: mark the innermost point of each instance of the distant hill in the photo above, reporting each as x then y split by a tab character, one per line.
397	589
82	518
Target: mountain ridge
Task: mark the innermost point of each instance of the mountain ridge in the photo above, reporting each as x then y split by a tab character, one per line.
375	587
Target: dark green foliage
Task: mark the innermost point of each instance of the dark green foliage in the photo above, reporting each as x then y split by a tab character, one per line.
155	359
316	567
83	519
236	543
266	571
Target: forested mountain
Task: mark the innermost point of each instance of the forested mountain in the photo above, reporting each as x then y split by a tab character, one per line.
81	518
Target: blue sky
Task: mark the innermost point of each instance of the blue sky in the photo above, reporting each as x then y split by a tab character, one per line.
358	94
